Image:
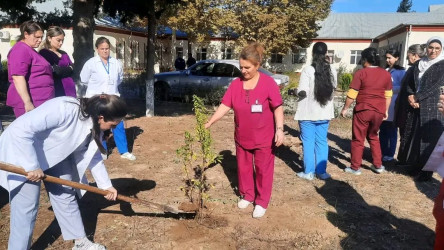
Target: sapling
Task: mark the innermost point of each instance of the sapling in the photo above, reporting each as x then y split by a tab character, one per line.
197	155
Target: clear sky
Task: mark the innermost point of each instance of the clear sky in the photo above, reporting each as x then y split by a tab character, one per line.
341	6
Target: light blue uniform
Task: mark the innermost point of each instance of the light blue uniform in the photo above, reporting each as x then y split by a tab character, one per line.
53	138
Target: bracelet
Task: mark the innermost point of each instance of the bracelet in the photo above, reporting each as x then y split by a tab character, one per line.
280	128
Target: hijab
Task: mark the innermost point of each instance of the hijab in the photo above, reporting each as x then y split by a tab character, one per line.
425	62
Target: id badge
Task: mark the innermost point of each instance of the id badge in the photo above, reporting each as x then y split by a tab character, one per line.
110	82
256	108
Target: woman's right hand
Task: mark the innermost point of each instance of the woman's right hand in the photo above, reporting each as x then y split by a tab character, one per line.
29	106
35	175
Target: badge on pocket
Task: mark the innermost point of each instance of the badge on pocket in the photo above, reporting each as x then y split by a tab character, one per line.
256	108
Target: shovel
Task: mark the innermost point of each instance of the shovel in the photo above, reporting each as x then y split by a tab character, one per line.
48	178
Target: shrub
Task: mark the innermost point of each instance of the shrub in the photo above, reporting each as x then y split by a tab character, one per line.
197	156
345	80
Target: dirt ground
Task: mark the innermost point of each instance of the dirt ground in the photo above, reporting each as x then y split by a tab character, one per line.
371	211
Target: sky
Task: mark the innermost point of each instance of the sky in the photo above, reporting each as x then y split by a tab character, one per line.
343	6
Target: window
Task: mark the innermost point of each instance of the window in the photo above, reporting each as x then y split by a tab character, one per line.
330	56
179	52
299	56
276	57
355	56
226	53
203	69
224	70
201	54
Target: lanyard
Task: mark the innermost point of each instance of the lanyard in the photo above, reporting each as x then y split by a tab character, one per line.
107	65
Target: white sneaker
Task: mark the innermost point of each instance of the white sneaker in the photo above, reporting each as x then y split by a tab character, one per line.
258	211
128	156
242	204
93	246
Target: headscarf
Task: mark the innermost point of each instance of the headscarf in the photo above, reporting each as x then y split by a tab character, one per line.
425	62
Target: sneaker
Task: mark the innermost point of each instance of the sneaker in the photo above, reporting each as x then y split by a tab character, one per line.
323	176
128	156
352	171
242	204
308	177
258	211
93	246
379	170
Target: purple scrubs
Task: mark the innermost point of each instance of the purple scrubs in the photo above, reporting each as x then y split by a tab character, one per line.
64	85
25	61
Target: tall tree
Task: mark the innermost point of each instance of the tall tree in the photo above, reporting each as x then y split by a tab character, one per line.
83	31
153	11
405	6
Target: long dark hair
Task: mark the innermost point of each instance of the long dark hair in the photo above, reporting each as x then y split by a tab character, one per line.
371	56
395	53
111	107
323	88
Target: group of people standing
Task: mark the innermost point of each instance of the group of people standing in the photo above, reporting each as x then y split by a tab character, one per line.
385	99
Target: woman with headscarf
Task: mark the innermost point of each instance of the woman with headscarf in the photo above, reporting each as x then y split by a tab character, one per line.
429	77
405	114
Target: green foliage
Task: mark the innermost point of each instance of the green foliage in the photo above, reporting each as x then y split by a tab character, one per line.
197	156
405	6
345	80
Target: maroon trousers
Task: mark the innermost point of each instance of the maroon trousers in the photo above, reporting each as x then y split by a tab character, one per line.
438	212
258	162
365	125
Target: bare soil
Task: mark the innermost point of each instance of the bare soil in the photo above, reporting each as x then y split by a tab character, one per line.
371	211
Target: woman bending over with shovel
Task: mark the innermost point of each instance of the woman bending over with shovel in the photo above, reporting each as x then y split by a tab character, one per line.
61	138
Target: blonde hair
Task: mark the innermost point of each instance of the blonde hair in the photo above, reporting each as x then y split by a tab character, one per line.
52	32
253	52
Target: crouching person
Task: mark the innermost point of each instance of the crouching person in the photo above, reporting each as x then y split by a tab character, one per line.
61	138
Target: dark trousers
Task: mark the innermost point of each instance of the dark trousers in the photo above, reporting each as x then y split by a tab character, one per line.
365	125
438	213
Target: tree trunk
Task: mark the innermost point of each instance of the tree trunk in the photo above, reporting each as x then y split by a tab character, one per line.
83	31
150	60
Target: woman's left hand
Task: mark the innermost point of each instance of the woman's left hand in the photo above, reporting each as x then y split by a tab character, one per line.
112	195
279	137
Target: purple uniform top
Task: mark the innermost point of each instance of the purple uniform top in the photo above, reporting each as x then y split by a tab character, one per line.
25	61
64	85
253	129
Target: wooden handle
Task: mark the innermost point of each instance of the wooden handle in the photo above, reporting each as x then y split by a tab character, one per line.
17	170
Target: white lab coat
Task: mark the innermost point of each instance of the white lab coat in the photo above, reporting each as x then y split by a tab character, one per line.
46	136
97	80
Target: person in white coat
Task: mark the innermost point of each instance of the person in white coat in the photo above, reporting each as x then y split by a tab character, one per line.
315	110
104	74
61	138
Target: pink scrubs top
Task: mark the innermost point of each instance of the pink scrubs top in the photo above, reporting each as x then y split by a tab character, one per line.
253	129
25	61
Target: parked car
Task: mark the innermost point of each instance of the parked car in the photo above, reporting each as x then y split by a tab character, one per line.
205	75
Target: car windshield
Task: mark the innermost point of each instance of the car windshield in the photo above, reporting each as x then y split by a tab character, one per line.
265	71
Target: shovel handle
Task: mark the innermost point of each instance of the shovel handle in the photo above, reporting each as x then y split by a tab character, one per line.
17	170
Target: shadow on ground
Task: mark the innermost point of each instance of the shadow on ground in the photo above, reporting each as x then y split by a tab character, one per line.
370	227
289	156
229	165
92	204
